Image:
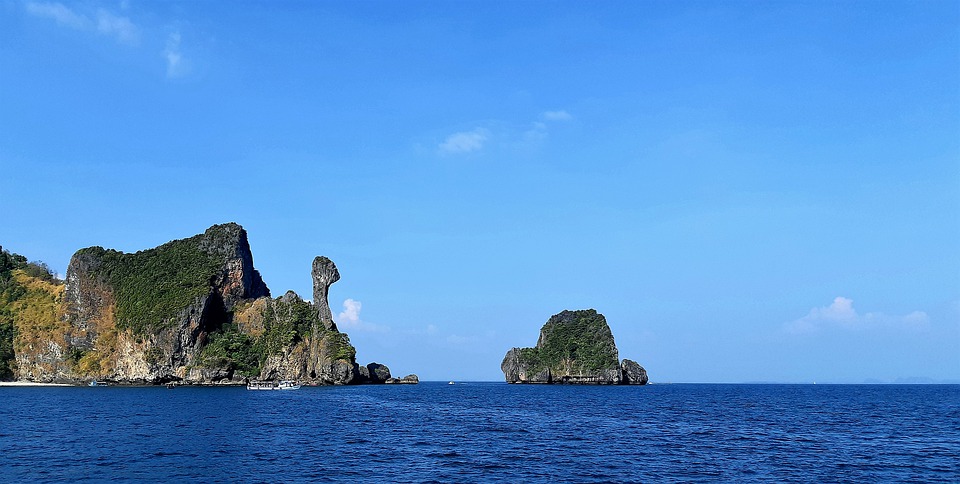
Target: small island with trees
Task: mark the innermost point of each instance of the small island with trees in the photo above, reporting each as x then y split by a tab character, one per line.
575	347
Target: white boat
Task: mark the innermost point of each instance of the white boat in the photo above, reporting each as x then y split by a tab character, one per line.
95	383
451	383
288	385
261	385
269	385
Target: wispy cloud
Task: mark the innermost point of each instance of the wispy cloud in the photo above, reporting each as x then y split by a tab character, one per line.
59	13
464	141
122	29
560	115
175	65
349	318
841	314
523	136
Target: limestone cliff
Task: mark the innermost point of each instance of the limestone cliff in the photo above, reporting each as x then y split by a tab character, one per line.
144	317
194	311
574	347
324	274
299	343
30	298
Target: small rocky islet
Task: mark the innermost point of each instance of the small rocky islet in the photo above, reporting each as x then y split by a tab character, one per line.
575	347
191	311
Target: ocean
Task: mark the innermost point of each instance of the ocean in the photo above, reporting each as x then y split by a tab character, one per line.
475	432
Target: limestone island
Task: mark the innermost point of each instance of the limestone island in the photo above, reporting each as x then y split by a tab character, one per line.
191	311
575	347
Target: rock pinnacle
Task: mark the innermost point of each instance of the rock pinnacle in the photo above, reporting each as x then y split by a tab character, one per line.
324	274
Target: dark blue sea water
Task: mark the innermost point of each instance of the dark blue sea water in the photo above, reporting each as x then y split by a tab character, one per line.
483	432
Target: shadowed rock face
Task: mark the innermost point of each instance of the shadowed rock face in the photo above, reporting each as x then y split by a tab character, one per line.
325	273
518	369
633	373
378	373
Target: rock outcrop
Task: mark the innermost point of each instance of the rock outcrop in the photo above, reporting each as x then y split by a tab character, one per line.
313	350
407	380
295	344
194	310
325	273
574	347
633	373
378	373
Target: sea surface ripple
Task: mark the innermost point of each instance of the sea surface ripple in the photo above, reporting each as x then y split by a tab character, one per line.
468	432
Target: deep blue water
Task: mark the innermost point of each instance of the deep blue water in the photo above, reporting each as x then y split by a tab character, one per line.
483	431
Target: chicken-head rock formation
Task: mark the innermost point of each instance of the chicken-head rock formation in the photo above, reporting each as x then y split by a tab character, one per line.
324	273
193	311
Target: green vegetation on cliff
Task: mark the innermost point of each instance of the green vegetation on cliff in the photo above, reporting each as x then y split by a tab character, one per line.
285	322
152	286
192	309
9	291
29	302
573	342
233	350
338	346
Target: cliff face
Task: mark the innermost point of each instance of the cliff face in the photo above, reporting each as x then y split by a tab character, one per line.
30	299
574	347
299	342
144	317
193	310
39	329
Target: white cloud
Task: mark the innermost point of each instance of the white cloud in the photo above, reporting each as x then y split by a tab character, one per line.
916	318
560	115
175	66
106	23
351	312
464	141
519	136
349	318
120	27
59	13
841	314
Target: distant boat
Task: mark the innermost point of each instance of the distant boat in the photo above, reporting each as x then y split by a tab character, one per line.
288	385
269	385
171	386
451	383
95	383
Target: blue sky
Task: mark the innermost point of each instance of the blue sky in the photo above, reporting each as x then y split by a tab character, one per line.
748	191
